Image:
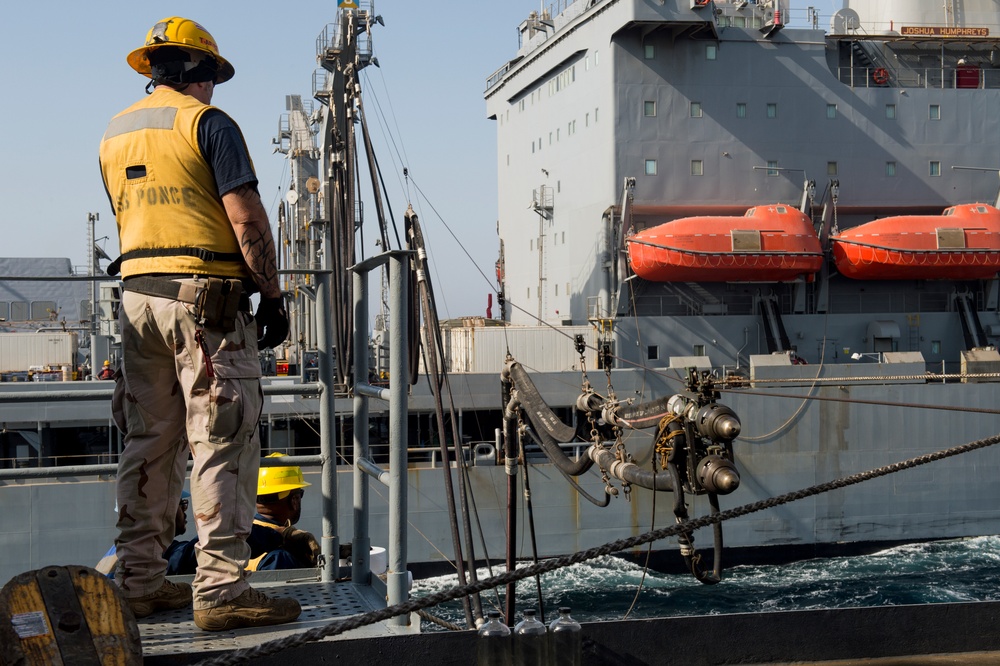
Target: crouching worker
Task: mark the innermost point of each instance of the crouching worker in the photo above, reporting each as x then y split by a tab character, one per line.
274	541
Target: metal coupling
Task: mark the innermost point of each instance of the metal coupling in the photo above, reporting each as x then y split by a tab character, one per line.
718	475
717	422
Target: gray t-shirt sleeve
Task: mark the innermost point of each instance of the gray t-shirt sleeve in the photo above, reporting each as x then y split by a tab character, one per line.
223	147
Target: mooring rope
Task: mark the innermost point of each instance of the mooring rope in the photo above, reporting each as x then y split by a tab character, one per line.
417	604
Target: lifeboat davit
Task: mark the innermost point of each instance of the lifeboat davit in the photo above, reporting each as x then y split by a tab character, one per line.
774	243
961	244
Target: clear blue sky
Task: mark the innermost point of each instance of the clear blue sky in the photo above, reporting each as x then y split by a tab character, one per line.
65	76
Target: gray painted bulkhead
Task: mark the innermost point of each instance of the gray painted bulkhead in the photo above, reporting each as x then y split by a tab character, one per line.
570	116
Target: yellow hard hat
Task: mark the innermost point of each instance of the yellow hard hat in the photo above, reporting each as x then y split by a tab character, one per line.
184	33
279	479
107	363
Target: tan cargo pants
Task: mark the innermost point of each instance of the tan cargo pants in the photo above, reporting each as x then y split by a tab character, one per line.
184	389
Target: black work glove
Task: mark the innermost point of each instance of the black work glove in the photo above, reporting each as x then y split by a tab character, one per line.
301	545
272	322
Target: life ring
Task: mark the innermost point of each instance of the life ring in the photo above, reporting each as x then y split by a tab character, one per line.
880	76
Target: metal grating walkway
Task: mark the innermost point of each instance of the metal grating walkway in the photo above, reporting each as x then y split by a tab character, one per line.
174	632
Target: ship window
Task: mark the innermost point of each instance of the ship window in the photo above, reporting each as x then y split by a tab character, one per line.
831	168
532	146
586	63
597	58
520	105
649	52
650	167
531	244
772	110
699	350
741	109
557	288
831	110
648	109
781	210
739	21
935	168
696	110
586	120
890	111
19	311
697	168
935	346
539	143
981	210
595	115
934	113
42	310
890	169
652	352
772	167
711	51
4	310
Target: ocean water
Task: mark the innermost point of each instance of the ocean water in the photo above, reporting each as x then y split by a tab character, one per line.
604	589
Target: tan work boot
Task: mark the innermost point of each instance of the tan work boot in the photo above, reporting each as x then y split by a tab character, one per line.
170	596
250	609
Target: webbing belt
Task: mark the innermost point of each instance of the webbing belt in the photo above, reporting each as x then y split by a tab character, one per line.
174	290
153	286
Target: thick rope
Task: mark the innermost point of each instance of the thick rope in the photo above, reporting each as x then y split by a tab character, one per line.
441	622
343	625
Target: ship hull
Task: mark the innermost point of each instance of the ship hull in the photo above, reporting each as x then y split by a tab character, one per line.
805	437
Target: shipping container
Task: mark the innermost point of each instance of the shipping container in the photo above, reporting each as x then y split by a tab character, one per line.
21	351
538	348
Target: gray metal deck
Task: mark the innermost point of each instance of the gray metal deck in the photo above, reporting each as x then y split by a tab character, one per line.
174	632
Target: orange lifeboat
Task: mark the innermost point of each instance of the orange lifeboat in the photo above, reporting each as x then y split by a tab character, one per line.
961	244
773	243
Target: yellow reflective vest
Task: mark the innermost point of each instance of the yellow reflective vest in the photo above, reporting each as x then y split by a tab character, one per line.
164	192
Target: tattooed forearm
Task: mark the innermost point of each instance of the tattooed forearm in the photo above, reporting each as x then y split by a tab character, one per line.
249	220
258	251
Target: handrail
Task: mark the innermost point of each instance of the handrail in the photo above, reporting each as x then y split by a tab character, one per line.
107	469
44	395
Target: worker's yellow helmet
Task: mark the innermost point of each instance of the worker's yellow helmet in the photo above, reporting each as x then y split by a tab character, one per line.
273	480
107	363
189	36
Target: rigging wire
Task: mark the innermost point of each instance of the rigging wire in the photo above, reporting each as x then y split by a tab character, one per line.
529	509
649	553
